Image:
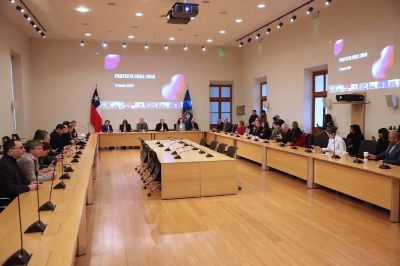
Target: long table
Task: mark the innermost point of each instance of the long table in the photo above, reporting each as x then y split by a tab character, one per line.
194	175
66	234
365	181
118	139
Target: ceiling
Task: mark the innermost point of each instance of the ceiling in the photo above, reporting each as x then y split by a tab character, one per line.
114	20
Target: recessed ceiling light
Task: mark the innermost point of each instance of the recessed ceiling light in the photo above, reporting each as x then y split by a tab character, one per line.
105	44
124	45
82	43
239	20
12	1
171	39
82	9
222	31
185	48
203	49
209	40
139	14
131	36
146	46
166	47
88	34
97	53
261	5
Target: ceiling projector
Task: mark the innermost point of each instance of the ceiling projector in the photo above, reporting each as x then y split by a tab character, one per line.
181	13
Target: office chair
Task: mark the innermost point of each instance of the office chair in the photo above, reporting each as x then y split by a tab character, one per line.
231	152
321	141
156	177
4	139
366	145
213	144
203	141
15	136
151	168
221	148
4	203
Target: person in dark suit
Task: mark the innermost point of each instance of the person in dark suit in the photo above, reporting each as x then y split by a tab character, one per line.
125	126
383	140
12	182
252	119
220	125
354	139
226	127
286	135
107	127
57	141
74	134
67	136
266	132
256	129
192	125
392	153
162	126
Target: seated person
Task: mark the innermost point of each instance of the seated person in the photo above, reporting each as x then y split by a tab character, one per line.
336	144
241	128
12	182
392	153
220	125
299	138
42	135
180	124
266	132
125	126
162	126
257	129
286	135
383	140
29	164
354	139
57	141
74	133
192	125
142	126
107	127
67	136
46	159
276	130
226	126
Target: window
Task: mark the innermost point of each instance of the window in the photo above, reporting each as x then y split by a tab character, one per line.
220	103
263	98
320	85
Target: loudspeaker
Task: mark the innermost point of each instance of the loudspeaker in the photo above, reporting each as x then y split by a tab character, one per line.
391	101
240	110
350	98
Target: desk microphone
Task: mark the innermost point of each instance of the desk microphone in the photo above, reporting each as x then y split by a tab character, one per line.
293	147
282	144
61	185
65	175
178	155
168	148
37	226
201	152
49	206
21	256
194	148
384	166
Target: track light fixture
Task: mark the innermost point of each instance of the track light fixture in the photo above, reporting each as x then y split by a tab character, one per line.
82	43
203	48
280	25
241	44
249	40
146	46
268	32
293	18
310	10
185	48
28	15
328	2
124	45
165	47
12	1
258	36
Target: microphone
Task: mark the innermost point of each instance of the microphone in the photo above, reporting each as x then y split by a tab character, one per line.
61	185
176	151
49	206
168	148
64	175
201	152
334	156
178	155
308	150
77	151
293	147
384	166
265	141
194	148
282	144
21	256
37	226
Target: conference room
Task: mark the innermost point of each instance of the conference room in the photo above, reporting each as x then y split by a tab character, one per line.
259	132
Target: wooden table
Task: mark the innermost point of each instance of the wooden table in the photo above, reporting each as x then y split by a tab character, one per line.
193	135
364	181
195	175
66	234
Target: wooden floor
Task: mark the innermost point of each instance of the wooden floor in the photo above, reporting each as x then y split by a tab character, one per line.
274	220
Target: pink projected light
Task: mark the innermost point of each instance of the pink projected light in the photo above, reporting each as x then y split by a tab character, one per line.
385	62
175	88
338	47
111	61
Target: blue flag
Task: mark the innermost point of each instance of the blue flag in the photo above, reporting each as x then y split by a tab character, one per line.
187	112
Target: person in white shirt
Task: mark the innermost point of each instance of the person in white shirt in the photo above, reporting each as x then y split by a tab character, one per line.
180	125
336	144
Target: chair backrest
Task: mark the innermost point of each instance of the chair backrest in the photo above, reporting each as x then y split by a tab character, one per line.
309	140
366	145
347	142
321	140
4	139
234	127
221	147
231	151
15	136
203	141
213	144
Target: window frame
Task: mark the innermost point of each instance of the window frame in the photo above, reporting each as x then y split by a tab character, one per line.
322	94
220	100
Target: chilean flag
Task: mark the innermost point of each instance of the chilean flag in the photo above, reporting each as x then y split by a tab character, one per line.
95	118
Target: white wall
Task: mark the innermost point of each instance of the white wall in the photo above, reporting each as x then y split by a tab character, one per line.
64	76
285	56
14	41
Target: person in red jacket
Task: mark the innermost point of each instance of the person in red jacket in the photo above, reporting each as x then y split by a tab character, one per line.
241	128
299	138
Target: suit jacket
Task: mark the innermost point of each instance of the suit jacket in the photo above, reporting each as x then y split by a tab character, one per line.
28	165
12	182
354	143
219	127
140	126
381	145
266	133
389	155
56	141
158	127
227	127
256	131
128	128
191	126
104	128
